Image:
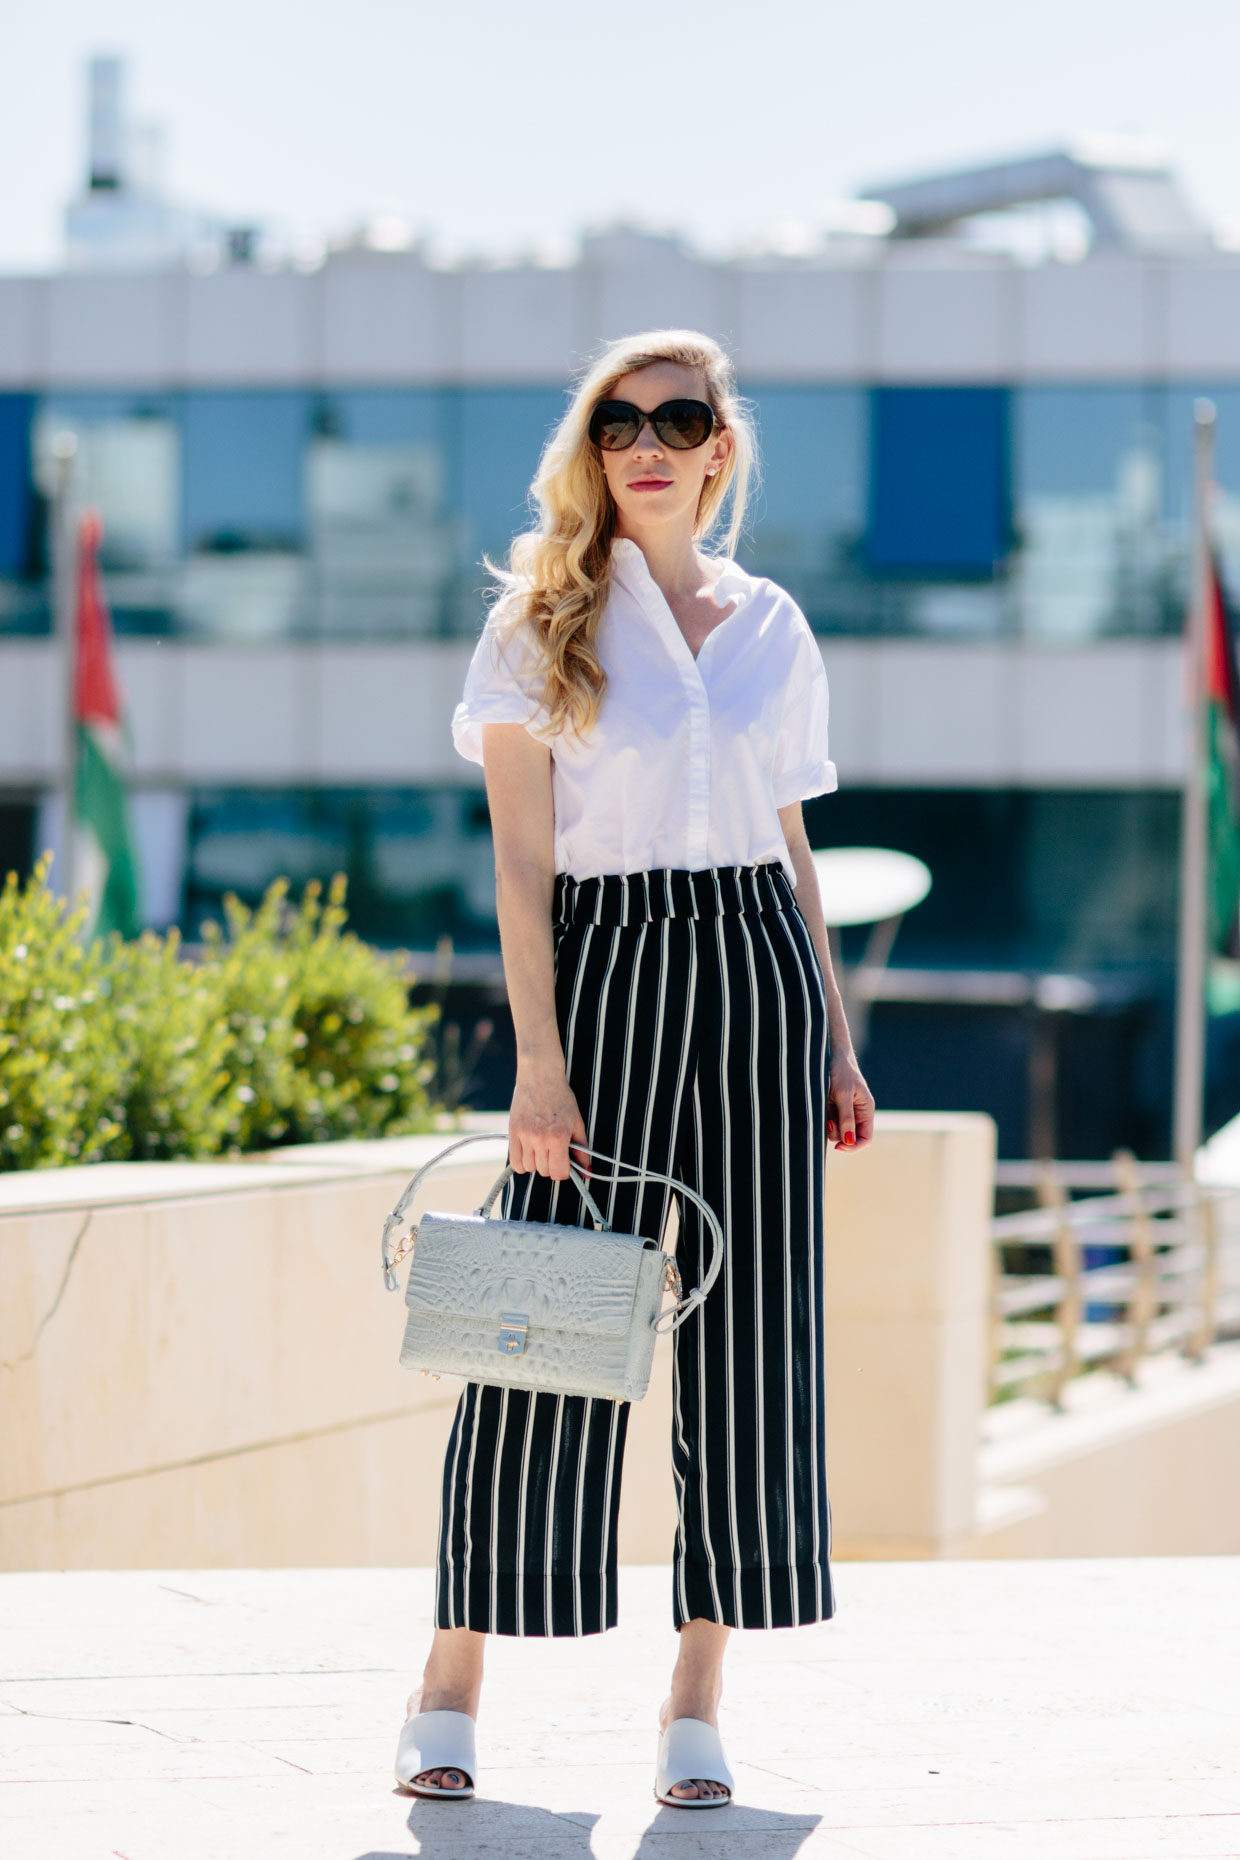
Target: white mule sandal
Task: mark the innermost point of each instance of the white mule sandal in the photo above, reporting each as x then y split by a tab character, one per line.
437	1740
690	1750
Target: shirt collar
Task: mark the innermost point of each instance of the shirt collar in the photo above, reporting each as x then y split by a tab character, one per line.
628	562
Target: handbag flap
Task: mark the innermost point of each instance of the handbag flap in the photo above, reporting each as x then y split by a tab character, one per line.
560	1278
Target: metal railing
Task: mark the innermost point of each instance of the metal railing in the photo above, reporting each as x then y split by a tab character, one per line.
1107	1279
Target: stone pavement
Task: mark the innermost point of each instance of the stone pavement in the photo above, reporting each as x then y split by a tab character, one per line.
952	1711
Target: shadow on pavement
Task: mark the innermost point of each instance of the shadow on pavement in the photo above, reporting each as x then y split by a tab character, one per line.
465	1830
478	1830
783	1836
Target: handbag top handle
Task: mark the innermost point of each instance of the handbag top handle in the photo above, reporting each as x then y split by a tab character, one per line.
637	1176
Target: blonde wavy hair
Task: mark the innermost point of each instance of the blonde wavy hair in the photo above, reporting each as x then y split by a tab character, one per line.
558	574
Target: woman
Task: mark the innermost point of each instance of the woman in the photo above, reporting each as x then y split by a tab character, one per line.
650	718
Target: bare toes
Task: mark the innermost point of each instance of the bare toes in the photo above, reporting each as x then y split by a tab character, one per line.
440	1779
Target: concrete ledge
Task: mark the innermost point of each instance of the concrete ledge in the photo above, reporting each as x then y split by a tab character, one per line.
1123	1468
199	1363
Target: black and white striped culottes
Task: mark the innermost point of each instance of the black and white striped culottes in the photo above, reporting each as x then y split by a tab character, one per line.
692	1010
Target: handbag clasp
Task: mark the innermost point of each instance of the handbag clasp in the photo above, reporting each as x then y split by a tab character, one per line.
513	1326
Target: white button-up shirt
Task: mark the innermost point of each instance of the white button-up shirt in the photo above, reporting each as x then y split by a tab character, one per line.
689	759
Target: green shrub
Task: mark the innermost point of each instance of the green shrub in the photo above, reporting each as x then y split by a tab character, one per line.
363	1063
325	1043
248	973
173	1045
61	1077
289	1029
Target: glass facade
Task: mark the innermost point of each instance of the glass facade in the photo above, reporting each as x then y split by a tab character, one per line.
1023	879
1049	512
418	860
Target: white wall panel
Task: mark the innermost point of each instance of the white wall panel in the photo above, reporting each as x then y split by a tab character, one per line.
249	715
1166	720
378	319
245	325
102	329
943	712
952	323
1092	319
902	712
804	325
659	287
520	325
1203	317
387	711
151	675
23	331
917	314
1083	718
852	731
31	710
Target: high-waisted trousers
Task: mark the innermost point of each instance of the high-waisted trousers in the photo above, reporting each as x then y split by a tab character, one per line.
692	1010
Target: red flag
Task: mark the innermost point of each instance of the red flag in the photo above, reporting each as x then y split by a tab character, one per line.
95	697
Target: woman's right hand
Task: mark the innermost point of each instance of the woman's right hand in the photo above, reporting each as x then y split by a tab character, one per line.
544	1122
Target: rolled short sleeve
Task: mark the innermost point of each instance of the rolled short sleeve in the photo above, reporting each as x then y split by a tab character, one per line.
504	684
802	767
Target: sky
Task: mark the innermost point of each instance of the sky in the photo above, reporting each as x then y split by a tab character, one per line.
496	127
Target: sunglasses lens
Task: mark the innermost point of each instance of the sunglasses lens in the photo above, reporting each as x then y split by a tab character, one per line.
685	424
612	425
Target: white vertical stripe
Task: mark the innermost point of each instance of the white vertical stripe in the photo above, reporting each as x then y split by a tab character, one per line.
605	1535
447	1525
549	1511
522	1497
587	1413
809	971
767	933
707	1396
759	1319
495	1472
469	1507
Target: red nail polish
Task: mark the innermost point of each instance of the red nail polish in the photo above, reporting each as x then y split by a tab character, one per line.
850	1138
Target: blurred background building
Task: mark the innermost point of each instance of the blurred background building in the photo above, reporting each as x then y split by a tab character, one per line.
977	479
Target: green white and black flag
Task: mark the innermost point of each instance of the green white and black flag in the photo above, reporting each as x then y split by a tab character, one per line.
104	859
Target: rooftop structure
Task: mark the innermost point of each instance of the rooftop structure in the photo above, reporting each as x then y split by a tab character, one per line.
1127	189
121	219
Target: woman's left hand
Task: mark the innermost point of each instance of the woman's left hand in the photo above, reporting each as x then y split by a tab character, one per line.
850	1105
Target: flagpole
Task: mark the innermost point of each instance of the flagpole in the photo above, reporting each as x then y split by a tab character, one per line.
1190	1009
64	608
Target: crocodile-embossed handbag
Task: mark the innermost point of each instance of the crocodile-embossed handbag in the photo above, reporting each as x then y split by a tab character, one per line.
539	1304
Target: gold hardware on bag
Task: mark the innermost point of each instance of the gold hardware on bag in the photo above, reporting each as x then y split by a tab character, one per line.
432	1373
406	1246
513	1326
671	1279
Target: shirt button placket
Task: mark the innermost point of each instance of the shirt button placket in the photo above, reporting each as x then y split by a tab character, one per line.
698	823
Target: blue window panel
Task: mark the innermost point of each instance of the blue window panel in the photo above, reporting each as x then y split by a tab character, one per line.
244	459
389	416
939	502
16	414
1072	441
812	479
502	432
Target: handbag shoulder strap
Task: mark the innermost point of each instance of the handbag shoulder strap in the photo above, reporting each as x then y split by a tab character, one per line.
634	1174
396	1219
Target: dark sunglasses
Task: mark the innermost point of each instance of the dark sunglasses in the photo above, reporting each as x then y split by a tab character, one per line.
681	424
